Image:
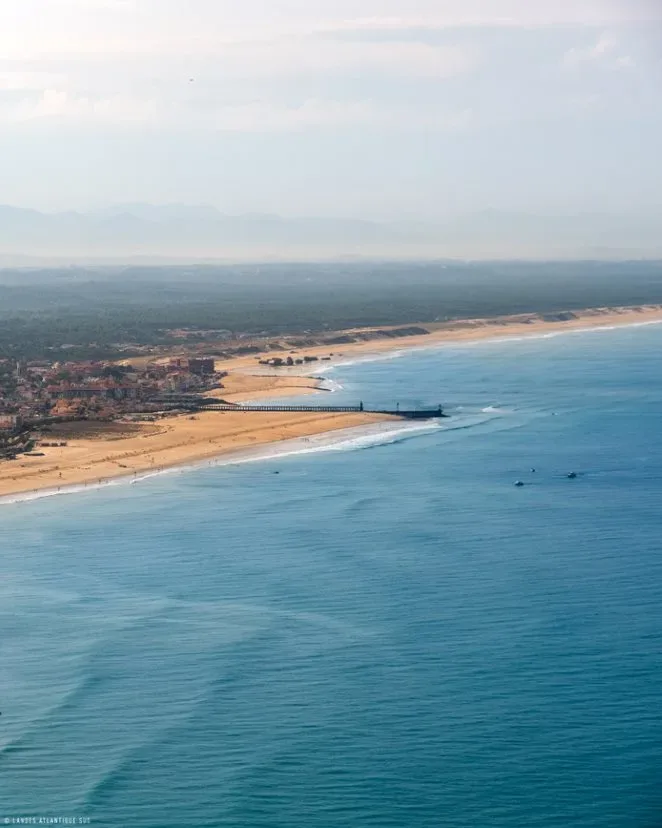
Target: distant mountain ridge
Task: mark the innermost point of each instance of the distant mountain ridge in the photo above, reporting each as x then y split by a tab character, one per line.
199	232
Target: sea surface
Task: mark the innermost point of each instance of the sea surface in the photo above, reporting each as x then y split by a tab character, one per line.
378	629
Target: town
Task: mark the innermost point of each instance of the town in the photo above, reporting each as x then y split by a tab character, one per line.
34	394
141	383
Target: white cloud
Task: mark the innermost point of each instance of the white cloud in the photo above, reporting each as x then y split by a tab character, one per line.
291	57
129	61
495	14
604	46
251	55
56	105
60	105
14	81
34	29
625	62
266	117
605	51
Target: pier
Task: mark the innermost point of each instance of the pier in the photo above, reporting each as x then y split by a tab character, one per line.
210	404
408	414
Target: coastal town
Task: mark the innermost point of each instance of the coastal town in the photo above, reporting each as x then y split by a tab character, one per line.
34	395
145	383
71	421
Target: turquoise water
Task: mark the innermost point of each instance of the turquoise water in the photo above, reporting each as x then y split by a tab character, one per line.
386	633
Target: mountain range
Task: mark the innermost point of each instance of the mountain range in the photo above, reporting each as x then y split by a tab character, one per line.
164	233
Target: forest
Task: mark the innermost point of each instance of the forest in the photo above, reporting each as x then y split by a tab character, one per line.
91	312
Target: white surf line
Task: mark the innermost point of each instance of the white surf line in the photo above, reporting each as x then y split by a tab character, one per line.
405	350
346	439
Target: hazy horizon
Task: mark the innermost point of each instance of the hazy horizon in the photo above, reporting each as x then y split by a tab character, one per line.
179	233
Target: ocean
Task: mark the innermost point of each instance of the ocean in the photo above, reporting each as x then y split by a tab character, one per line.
372	629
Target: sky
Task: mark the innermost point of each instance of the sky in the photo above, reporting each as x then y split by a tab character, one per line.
379	109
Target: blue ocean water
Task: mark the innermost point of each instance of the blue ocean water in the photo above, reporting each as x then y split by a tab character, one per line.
387	633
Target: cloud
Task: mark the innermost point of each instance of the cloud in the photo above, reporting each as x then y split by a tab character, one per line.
13	81
293	65
625	62
605	51
259	116
500	15
63	106
37	29
291	57
252	56
266	117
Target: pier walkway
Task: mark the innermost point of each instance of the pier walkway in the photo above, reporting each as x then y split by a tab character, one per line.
410	414
195	402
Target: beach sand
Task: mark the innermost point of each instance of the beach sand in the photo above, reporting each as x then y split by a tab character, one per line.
456	331
149	447
120	450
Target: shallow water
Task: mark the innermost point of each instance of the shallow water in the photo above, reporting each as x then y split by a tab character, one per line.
386	633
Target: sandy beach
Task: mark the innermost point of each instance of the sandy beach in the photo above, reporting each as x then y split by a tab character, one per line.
100	452
459	331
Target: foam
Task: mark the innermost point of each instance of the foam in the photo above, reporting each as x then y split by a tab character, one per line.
349	439
483	341
386	356
550	334
331	386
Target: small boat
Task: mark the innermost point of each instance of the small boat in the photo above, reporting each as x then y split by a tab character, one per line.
519	484
572	475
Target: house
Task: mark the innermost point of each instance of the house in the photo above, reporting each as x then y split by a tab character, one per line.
9	423
201	366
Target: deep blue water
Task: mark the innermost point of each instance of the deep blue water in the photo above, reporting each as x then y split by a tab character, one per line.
386	635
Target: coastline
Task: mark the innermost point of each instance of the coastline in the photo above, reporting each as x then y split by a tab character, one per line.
378	432
185	440
454	332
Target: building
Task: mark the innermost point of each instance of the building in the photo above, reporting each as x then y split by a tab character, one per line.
182	382
9	422
105	390
201	366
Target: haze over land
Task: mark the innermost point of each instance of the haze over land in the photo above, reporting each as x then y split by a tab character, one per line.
170	233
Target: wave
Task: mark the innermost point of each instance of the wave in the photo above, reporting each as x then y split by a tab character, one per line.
26	497
549	334
373	357
349	439
497	339
493	418
69	701
331	385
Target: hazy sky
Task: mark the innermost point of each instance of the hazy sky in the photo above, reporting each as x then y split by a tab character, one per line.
373	108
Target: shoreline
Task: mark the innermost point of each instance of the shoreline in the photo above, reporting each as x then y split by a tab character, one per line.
457	332
185	441
360	436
